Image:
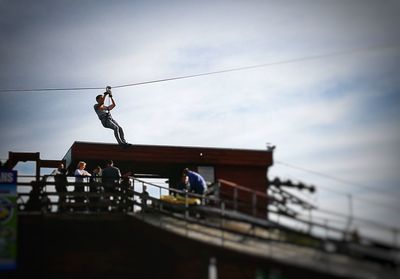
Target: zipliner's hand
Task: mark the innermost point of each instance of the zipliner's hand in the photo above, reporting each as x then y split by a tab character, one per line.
108	91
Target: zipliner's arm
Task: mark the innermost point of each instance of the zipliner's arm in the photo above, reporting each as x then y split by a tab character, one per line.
108	91
110	107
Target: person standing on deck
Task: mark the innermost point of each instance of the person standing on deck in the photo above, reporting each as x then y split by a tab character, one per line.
197	184
111	176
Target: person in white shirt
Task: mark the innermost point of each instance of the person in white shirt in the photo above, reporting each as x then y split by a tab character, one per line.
81	176
81	173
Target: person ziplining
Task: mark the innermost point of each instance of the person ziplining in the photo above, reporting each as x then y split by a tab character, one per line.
103	112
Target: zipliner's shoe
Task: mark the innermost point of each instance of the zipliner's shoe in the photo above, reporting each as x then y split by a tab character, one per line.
125	145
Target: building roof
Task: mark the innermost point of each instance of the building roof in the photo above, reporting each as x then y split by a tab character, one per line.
159	156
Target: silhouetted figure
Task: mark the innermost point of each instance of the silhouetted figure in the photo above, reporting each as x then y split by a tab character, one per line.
125	190
38	200
144	196
184	184
111	177
60	183
95	187
35	196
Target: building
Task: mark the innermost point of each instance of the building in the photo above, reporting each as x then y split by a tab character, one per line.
228	236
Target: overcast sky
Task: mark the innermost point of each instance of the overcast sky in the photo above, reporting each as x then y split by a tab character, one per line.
337	115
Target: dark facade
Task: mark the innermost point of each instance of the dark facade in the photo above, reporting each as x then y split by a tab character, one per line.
119	246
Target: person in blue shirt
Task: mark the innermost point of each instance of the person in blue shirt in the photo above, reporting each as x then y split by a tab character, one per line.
197	184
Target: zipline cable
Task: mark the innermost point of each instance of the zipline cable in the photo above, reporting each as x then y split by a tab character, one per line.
289	61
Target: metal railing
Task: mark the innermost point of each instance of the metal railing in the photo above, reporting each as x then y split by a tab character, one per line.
225	200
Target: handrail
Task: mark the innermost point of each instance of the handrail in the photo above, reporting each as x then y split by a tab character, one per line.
243	188
217	200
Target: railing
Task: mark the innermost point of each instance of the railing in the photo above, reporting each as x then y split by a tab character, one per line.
241	198
228	201
90	198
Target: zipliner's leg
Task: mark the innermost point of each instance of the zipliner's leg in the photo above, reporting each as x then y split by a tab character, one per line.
118	132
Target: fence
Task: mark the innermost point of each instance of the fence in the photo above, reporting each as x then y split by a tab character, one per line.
297	221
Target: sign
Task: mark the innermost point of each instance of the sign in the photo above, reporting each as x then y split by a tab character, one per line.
8	220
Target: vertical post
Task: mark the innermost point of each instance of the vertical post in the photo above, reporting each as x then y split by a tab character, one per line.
235	196
222	222
212	269
351	206
350	213
186	214
38	166
309	220
160	199
186	206
217	191
326	221
254	203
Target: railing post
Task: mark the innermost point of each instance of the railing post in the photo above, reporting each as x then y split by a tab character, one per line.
326	222
143	187
310	220
186	214
222	222
254	203
159	188
217	191
350	213
186	206
235	196
212	269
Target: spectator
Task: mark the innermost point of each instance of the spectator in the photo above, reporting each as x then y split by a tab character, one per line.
111	176
96	175
34	202
144	196
183	185
60	182
126	188
80	175
197	184
95	187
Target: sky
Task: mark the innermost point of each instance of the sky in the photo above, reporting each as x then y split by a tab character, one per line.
333	119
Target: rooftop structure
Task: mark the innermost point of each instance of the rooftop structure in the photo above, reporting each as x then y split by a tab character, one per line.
237	165
240	166
129	233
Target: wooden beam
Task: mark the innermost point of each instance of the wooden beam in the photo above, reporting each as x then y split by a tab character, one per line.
171	154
